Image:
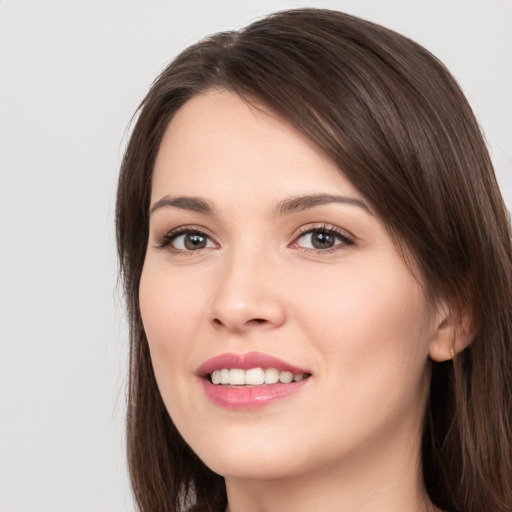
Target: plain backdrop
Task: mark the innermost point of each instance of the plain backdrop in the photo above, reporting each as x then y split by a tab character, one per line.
71	75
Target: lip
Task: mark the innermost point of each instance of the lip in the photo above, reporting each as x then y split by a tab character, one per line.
245	362
248	397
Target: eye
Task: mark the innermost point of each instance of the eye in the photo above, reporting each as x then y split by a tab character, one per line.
322	239
186	240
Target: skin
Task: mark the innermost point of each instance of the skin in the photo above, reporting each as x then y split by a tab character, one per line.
352	314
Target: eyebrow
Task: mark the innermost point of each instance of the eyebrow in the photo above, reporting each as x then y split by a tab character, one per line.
194	204
301	203
287	206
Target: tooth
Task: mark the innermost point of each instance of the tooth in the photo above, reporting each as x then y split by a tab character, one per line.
285	377
255	376
224	376
236	377
271	376
216	377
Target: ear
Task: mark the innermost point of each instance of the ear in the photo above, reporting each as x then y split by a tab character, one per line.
453	335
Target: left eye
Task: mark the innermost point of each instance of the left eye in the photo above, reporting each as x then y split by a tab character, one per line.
191	241
322	239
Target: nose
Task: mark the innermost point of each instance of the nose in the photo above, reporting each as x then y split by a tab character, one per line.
247	295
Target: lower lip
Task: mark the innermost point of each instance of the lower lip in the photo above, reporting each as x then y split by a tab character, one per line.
249	398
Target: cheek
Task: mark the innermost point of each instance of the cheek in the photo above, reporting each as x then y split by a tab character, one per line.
170	301
374	322
372	330
171	311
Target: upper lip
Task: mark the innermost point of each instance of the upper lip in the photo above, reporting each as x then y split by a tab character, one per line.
245	362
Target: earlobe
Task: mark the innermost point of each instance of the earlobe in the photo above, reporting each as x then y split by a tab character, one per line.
451	337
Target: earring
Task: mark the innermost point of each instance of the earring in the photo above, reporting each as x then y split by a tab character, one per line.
452	353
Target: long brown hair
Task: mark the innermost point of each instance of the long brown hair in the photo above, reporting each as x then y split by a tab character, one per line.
390	115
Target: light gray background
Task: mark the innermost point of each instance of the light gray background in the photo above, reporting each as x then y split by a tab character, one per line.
71	75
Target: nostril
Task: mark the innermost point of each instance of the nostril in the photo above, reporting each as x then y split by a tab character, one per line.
252	322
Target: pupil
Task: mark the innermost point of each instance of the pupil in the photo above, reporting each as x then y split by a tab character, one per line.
195	242
322	240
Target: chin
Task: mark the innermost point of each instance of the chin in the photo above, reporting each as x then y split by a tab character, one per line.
271	456
256	467
247	454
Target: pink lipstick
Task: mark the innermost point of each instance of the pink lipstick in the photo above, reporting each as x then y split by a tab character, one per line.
250	381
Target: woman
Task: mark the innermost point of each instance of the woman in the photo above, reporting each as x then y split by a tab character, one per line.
318	270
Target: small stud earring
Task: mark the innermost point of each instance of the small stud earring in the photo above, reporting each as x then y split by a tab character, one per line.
452	353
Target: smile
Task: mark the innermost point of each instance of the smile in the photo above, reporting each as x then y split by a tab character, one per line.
250	381
254	377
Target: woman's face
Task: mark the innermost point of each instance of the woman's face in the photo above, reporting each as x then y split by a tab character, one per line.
265	264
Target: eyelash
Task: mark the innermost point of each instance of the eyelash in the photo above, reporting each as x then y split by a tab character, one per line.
171	236
329	230
325	229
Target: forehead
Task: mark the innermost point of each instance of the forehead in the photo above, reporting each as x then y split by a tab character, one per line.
217	142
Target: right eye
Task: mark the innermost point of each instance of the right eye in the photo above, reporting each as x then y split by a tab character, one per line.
187	240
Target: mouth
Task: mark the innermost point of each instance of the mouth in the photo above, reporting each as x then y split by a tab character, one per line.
250	381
